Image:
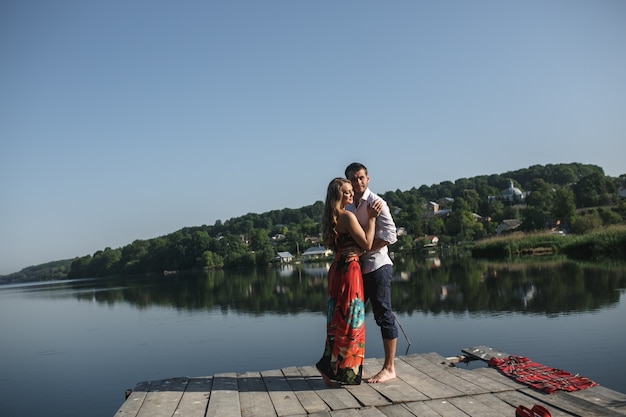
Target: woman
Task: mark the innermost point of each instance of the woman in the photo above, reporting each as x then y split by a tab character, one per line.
344	351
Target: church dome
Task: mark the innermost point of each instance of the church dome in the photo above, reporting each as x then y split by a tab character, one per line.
512	193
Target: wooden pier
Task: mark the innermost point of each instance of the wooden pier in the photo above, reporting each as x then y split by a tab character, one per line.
428	385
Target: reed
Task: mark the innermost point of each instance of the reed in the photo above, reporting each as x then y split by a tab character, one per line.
609	243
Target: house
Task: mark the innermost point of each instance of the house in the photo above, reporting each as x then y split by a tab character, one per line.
314	240
279	237
432	239
508	225
429	242
316	253
284	257
432	206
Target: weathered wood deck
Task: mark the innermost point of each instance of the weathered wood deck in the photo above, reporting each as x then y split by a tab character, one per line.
427	386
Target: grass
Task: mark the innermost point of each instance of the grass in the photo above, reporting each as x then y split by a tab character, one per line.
607	243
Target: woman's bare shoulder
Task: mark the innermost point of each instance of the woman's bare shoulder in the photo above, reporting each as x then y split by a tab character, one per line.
344	220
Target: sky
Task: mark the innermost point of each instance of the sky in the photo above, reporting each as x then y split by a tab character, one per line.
124	120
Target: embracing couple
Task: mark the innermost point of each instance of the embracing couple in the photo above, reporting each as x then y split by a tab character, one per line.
357	225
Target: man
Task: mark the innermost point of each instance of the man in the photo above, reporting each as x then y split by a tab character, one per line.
376	265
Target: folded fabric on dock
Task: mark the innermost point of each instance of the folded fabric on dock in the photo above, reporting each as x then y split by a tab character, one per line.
540	377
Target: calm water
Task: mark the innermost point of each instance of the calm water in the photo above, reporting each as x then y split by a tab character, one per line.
71	348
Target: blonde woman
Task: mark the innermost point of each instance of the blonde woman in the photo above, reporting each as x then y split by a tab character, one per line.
344	349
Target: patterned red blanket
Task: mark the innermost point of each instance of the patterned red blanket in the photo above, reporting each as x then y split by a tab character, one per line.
540	377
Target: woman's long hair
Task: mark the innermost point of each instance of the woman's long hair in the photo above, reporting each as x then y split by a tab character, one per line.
331	212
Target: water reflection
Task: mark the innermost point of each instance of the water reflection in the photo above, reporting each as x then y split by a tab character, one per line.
556	286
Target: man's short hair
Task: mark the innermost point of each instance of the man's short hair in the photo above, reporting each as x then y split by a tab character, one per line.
354	167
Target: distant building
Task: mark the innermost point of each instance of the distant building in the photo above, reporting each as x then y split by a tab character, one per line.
432	206
507	225
279	237
513	194
284	257
316	253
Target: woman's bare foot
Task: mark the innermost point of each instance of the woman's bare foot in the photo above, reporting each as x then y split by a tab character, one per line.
383	375
327	380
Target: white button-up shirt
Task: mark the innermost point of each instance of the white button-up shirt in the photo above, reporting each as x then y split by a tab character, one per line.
385	230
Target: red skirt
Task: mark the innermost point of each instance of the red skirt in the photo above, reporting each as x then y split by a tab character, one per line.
344	350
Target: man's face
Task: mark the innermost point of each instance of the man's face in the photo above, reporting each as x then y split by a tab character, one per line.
359	181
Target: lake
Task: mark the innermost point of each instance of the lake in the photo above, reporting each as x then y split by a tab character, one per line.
71	348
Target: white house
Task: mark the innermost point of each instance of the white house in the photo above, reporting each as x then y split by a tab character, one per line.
284	257
316	252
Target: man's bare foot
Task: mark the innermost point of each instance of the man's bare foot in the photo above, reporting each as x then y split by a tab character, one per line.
383	375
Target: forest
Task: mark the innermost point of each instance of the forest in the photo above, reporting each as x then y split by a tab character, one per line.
571	198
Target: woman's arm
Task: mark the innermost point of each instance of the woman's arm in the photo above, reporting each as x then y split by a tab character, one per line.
364	238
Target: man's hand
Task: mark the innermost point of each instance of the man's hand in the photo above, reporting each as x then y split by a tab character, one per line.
352	251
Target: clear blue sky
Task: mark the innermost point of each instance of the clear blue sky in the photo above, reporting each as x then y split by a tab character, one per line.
124	120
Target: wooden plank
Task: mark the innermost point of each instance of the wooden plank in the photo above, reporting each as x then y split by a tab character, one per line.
422	382
499	377
367	395
395	410
431	387
575	405
163	397
325	413
419	408
396	390
195	398
603	397
254	400
132	405
516	398
437	371
336	398
284	399
370	412
224	400
470	406
309	399
484	353
488	384
496	404
445	408
345	413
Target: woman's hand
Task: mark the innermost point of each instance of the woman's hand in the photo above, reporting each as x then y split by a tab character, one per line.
375	208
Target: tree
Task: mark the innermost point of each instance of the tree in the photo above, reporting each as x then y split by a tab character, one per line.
589	190
533	218
587	222
133	256
435	226
472	198
79	267
461	222
212	260
564	207
105	263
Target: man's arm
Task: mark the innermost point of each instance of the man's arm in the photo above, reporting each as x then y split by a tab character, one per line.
386	233
379	243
